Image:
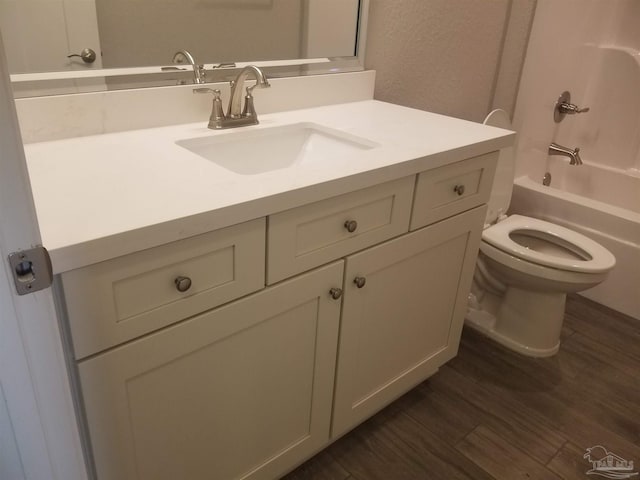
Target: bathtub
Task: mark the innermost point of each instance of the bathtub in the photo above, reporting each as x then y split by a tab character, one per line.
602	203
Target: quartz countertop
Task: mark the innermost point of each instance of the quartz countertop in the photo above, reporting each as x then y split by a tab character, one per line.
103	196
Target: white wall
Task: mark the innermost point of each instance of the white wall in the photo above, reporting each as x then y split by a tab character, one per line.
460	58
330	28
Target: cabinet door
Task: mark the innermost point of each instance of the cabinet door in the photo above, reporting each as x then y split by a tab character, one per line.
406	320
243	391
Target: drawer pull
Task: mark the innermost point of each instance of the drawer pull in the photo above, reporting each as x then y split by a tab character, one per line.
360	281
335	293
459	189
183	284
351	225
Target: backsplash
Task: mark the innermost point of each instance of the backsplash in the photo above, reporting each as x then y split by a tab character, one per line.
77	115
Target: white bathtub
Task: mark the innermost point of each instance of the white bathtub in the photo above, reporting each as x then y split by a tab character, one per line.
601	203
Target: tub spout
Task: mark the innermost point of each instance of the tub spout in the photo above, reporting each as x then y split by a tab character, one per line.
573	154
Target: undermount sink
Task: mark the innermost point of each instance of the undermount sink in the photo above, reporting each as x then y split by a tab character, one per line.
257	151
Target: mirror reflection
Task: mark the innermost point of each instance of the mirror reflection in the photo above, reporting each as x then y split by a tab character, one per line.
59	35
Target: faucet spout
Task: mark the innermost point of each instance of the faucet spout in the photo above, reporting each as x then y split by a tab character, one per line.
235	117
181	55
198	70
573	154
237	88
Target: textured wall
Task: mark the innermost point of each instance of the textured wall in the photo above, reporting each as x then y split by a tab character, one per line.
448	56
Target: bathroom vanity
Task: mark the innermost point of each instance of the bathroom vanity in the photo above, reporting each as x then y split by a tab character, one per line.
226	322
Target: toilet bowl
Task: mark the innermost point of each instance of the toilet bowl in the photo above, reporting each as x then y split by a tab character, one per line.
525	268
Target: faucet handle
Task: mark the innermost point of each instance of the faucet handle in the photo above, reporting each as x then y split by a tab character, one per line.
200	74
571	109
565	107
207	90
217	112
249	109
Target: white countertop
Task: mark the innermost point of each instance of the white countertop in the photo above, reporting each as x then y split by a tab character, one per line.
104	196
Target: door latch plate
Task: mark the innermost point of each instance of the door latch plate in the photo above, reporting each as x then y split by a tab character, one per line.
31	270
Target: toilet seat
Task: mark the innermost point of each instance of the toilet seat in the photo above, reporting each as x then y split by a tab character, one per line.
596	258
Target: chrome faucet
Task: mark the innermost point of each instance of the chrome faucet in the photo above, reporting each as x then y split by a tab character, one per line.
236	92
574	155
236	115
182	56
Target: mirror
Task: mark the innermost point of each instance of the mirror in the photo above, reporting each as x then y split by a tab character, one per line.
133	40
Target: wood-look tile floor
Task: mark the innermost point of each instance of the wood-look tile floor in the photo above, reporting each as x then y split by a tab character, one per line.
493	414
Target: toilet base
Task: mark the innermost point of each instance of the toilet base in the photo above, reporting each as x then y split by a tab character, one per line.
527	322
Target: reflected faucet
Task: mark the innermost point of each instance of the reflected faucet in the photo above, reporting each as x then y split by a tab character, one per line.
236	115
574	155
184	56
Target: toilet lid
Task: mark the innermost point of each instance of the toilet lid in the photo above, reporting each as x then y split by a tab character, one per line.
594	258
503	181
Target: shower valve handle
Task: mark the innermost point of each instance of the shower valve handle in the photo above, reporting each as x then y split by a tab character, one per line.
571	109
565	107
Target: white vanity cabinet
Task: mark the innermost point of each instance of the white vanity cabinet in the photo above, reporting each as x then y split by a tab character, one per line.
365	298
451	189
304	237
118	300
402	314
243	391
404	299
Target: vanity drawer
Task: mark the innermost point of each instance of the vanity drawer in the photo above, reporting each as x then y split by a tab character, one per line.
117	300
305	237
446	191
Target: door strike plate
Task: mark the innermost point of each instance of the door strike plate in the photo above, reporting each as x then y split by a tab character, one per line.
31	270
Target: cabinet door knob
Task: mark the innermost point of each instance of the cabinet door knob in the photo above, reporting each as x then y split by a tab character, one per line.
459	189
351	225
335	293
360	281
183	283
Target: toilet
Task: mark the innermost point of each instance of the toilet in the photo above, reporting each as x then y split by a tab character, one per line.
526	267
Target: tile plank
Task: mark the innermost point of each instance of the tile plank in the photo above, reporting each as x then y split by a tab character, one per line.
370	453
500	458
602	324
569	463
441	459
445	415
520	426
321	467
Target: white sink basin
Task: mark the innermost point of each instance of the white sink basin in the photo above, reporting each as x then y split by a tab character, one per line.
252	152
